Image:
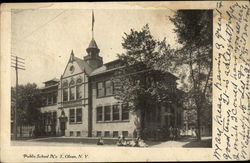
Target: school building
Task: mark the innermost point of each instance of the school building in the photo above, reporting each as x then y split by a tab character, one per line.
81	103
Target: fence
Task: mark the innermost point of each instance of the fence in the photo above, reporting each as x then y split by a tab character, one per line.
25	131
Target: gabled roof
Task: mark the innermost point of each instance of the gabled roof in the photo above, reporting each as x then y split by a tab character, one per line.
106	68
51	83
52	80
50	86
99	70
83	65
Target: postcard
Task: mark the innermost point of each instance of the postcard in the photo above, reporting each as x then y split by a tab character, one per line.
125	81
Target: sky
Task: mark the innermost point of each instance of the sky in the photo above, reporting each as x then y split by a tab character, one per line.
45	37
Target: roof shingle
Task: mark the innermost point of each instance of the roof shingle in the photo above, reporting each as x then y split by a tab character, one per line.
84	65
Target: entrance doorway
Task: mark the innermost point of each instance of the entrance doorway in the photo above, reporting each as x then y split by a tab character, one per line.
62	128
62	121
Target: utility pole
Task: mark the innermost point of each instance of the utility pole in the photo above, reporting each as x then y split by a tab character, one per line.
17	63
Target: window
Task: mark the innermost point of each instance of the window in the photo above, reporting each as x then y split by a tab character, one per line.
44	101
115	134
98	134
107	113
79	115
54	98
78	133
75	115
65	84
71	69
108	88
72	82
79	80
49	118
54	117
106	134
99	113
49	99
125	133
100	89
71	115
72	93
116	112
104	88
44	118
65	94
125	112
78	92
71	133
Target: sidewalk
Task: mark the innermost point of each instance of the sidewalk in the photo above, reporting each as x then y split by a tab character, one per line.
111	142
206	142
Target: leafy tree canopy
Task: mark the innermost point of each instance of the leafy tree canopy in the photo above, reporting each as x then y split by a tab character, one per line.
29	100
141	82
194	31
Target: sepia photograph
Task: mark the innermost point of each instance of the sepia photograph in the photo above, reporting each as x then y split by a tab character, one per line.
77	82
125	81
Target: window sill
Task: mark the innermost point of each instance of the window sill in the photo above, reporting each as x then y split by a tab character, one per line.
73	100
97	97
114	121
75	123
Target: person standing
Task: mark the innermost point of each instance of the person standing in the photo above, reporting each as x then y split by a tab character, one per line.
174	133
170	133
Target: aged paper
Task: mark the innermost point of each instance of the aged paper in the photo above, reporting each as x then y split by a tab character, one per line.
231	75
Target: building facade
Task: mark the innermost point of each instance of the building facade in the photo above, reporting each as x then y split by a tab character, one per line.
49	120
82	102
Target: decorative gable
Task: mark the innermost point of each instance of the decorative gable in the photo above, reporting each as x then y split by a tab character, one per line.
74	66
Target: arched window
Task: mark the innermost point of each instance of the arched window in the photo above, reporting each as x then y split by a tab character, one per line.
65	83
79	80
72	91
72	82
78	91
65	94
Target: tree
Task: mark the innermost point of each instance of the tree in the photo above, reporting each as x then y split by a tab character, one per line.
194	31
29	101
139	83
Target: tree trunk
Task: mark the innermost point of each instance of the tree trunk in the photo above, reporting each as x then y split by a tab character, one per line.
198	102
198	123
142	125
21	132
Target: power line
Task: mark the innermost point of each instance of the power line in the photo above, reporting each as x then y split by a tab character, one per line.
37	44
14	60
41	26
17	64
22	68
18	68
14	57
